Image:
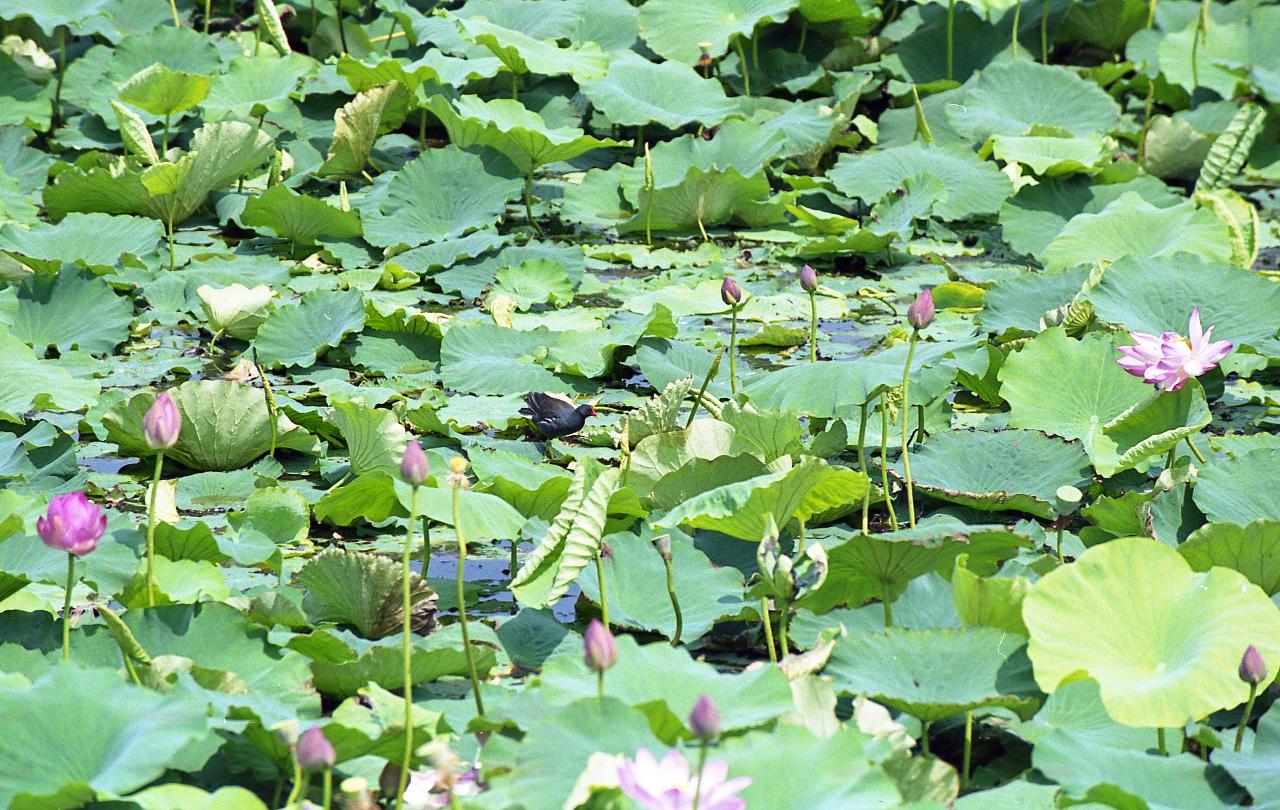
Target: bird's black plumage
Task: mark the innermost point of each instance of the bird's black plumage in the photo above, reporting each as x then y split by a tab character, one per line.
555	416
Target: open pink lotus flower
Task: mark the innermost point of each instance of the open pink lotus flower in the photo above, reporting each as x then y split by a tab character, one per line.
1169	360
669	783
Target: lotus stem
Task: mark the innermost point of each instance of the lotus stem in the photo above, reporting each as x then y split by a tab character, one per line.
804	33
426	545
269	396
515	86
1160	746
675	600
1017	23
768	629
600	684
515	559
67	608
702	764
906	409
1151	13
862	464
742	63
884	461
169	234
648	199
604	596
924	738
173	6
733	352
1195	451
326	796
968	749
1146	119
1044	32
1061	525
711	372
207	4
813	327
56	117
462	602
1244	719
528	203
888	610
295	792
1201	32
151	530
342	29
406	648
784	613
951	35
386	48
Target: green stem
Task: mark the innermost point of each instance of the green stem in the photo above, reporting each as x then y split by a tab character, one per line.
1172	458
968	749
604	596
164	138
342	29
1061	525
702	764
1044	32
169	233
391	34
295	792
515	561
422	128
784	612
804	32
1017	23
768	629
862	465
1202	31
924	738
733	352
57	88
1151	13
67	607
207	4
884	461
600	684
1195	451
426	545
515	86
951	36
742	64
462	604
888	611
906	409
1160	746
151	530
813	327
326	796
1146	119
711	372
407	648
173	6
675	600
133	673
270	396
1244	720
528	203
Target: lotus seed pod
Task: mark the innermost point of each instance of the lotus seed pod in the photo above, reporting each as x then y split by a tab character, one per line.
1068	499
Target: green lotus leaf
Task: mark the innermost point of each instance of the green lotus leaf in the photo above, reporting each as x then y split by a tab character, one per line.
989	601
260	82
84	16
297	217
675	29
1256	769
636	92
521	53
375	438
1049	156
357	124
343	664
1131	226
297	335
94	240
34	383
1240	489
163	92
237	309
537	281
1253	550
1010	97
478	358
70	310
974	186
1162	641
364	591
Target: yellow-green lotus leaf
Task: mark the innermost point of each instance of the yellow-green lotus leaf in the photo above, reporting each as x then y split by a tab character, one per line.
236	310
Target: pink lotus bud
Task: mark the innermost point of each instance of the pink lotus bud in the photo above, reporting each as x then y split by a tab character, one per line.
663	544
162	424
1253	670
73	523
598	647
704	719
808	279
314	751
730	293
414	467
920	313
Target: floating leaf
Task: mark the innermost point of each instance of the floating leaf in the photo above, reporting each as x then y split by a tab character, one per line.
363	590
294	336
297	217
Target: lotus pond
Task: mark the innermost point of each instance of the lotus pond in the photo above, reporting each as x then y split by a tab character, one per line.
675	405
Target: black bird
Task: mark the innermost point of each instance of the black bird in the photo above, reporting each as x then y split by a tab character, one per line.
554	415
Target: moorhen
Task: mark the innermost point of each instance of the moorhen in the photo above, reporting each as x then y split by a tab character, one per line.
555	416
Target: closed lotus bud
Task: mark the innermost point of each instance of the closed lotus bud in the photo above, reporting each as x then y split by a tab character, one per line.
598	647
389	779
808	279
314	751
72	523
784	581
1253	670
162	424
414	467
704	719
920	313
663	544
730	293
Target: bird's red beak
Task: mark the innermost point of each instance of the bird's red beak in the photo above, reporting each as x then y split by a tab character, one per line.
593	411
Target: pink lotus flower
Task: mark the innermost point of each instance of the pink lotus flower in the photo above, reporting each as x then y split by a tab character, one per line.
668	784
162	423
1169	360
73	523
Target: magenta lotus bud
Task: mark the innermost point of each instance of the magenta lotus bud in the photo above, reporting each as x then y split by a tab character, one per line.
920	313
162	424
414	467
730	293
314	751
1253	670
704	719
808	279
73	523
598	647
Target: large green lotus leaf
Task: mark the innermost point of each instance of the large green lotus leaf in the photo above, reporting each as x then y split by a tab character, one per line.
296	335
297	217
522	53
189	797
1010	97
95	240
636	92
879	566
71	310
934	674
484	516
590	353
27	104
704	199
225	426
1150	428
537	281
743	146
357	124
635	581
371	497
1162	641
743	509
746	699
31	383
1240	489
433	66
442	194
78	15
134	737
478	358
572	539
535	490
974	186
675	30
274	517
658	457
664	361
514	130
372	724
1253	550
1157	295
1019	304
1018	470
375	438
163	92
343	664
1131	226
1050	156
364	591
263	81
988	601
1258	769
1226	46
